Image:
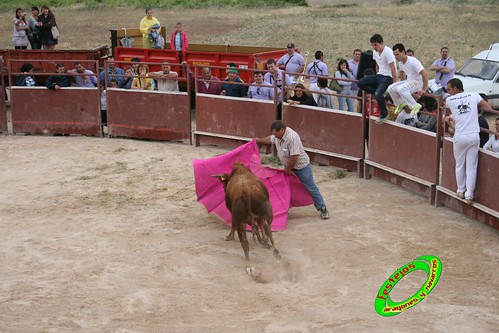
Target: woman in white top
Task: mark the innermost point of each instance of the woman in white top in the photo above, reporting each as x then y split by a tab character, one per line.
493	143
20	36
344	72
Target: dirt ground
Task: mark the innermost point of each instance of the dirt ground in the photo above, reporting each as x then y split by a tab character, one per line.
106	235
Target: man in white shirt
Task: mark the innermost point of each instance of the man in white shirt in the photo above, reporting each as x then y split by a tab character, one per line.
416	82
282	80
386	74
316	67
166	78
464	112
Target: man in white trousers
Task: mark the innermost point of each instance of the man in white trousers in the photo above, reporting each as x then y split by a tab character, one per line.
464	111
416	82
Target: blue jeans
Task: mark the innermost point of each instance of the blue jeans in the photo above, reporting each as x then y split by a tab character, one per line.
377	85
341	103
307	178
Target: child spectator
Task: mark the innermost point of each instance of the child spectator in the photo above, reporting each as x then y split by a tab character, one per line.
493	143
426	121
179	40
103	104
324	101
127	81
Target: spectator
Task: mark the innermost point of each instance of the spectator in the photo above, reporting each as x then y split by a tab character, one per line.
260	89
114	83
493	143
233	90
317	67
158	42
20	33
353	65
371	106
410	53
416	83
179	40
269	77
324	101
342	71
143	81
146	27
33	33
45	23
135	65
295	160
26	80
207	87
482	122
85	78
464	111
443	68
292	62
301	97
60	80
112	72
127	81
167	79
426	121
103	104
407	118
387	74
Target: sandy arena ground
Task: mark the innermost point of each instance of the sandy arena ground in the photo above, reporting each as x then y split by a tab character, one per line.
106	235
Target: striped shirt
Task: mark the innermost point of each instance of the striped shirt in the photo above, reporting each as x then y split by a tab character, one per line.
290	145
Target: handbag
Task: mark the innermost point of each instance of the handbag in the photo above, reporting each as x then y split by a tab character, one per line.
334	85
55	32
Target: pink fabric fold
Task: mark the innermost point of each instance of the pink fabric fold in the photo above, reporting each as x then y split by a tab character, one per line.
285	191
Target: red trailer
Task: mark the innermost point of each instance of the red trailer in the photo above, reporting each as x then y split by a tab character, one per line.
245	57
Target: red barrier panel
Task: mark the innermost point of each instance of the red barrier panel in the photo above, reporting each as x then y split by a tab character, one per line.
3	109
403	155
328	135
64	111
486	206
44	61
206	55
148	114
229	121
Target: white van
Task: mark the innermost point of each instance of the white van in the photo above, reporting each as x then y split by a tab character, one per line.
481	74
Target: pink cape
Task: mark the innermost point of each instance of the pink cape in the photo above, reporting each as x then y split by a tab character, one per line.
285	190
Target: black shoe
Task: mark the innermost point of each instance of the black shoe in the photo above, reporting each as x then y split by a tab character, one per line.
324	213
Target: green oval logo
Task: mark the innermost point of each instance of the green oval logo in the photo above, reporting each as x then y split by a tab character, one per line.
386	307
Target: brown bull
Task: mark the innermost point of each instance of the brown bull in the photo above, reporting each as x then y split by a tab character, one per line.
247	198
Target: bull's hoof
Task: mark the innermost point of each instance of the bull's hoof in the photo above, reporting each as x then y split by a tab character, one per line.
250	270
277	254
228	239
